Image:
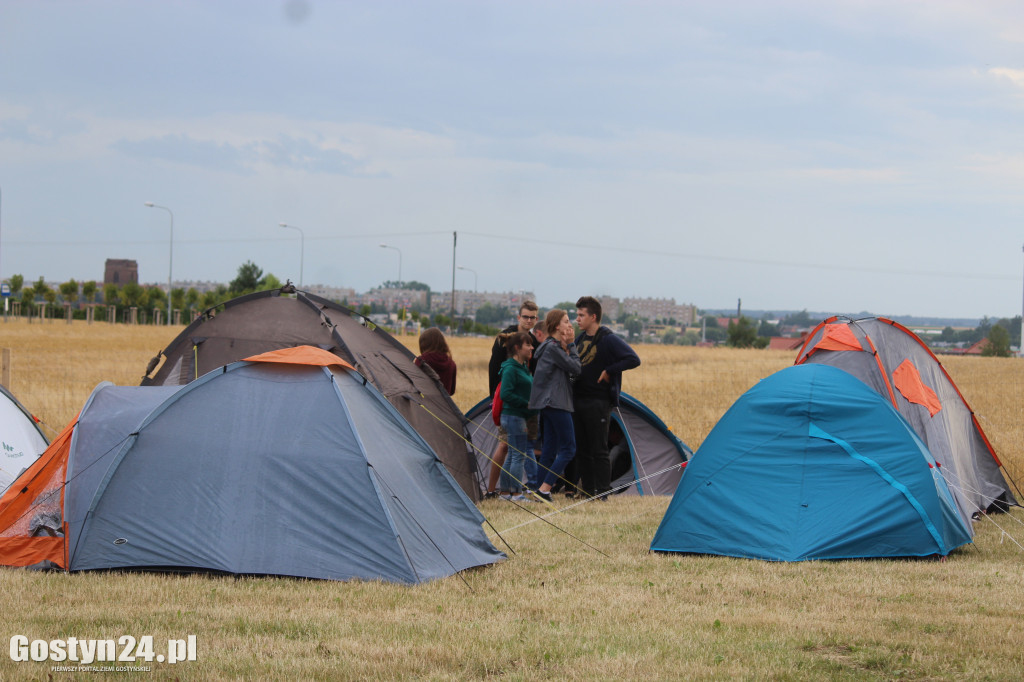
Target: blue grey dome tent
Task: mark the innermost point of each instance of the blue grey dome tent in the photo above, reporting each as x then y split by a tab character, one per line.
811	463
647	458
289	463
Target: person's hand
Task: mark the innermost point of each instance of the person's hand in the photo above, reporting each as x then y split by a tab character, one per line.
604	378
567	337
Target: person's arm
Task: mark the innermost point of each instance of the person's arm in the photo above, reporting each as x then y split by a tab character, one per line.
622	354
498	356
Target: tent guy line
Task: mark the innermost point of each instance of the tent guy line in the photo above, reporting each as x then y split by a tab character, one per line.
559	510
1003	531
488	457
981	514
538	517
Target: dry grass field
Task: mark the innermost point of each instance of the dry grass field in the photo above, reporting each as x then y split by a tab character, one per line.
556	609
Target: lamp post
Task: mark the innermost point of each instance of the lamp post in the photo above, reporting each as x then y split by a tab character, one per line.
302	247
463	267
170	259
386	246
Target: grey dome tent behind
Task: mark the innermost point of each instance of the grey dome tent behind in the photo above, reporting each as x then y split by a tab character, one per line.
287	464
647	458
21	440
893	361
270	320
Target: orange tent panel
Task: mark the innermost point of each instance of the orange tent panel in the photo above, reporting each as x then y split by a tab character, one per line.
40	488
301	355
838	337
28	551
908	382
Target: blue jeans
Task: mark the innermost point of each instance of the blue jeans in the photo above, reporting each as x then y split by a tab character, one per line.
511	478
559	444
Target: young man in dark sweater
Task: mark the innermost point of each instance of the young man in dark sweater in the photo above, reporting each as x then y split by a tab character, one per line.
604	357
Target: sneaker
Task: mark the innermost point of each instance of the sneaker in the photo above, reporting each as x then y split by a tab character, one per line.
490	495
522	498
546	497
505	496
569	494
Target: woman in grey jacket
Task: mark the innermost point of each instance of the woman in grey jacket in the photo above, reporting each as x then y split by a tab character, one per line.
558	364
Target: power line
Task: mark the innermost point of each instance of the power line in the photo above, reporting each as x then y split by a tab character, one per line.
238	240
519	239
748	261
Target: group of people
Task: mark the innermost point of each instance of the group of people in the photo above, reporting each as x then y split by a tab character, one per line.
572	383
557	390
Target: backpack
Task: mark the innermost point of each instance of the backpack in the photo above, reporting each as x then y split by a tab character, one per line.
496	406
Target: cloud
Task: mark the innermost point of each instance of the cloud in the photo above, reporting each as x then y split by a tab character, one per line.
186	150
283	152
1015	76
300	154
881	176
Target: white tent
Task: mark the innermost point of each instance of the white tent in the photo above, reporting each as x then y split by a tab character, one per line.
21	441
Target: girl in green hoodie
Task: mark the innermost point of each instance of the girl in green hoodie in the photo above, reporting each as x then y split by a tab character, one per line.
516	383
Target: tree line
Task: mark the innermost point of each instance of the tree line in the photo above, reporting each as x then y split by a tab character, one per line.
1002	335
146	299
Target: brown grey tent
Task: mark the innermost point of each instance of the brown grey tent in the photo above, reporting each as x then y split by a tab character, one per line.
283	318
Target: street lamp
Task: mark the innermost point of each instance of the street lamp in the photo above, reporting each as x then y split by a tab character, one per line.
386	246
463	267
170	260
302	247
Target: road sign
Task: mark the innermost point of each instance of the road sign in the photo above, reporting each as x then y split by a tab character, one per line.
5	289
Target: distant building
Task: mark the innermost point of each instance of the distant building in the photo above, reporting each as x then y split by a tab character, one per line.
390	298
648	309
467	302
339	294
785	343
660	309
121	271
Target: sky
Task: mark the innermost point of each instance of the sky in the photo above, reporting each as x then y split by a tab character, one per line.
845	156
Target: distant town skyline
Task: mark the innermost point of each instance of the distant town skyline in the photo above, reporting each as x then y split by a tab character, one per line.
637	305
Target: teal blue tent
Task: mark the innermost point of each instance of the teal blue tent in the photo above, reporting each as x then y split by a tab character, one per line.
811	463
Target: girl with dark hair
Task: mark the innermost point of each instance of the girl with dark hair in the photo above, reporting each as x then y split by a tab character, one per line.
435	354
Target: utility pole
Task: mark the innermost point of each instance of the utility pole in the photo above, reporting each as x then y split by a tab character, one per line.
455	240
